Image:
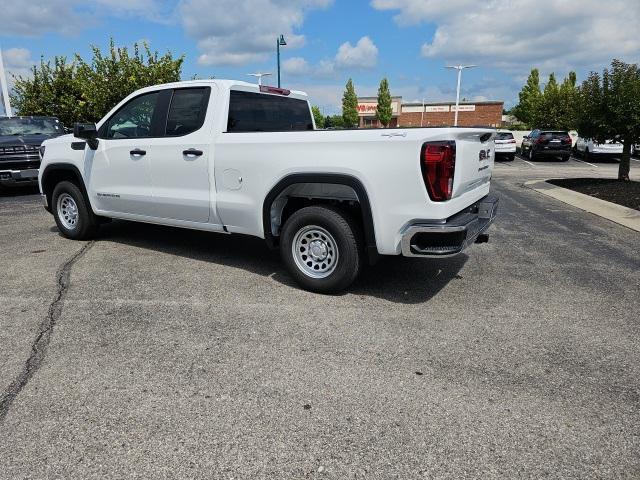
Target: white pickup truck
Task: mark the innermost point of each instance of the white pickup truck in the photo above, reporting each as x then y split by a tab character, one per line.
233	157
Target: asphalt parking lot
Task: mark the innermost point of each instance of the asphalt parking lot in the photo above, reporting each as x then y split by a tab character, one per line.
161	353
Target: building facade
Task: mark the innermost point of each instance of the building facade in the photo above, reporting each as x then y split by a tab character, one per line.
487	113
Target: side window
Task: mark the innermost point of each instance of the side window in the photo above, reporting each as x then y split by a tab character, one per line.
133	120
256	112
187	110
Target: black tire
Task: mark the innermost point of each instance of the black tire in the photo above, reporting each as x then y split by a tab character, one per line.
565	158
511	157
344	242
85	225
586	155
532	155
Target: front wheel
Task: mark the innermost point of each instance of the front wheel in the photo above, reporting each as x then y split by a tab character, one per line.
322	248
72	213
532	156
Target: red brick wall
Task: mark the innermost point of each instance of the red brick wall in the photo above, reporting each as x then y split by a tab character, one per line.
486	115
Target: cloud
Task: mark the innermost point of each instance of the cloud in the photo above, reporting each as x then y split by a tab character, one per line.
68	17
35	17
237	32
363	55
558	35
17	63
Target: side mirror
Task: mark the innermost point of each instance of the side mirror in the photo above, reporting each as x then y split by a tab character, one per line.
88	132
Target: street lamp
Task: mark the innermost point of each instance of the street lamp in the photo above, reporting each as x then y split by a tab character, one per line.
259	76
459	68
4	89
279	41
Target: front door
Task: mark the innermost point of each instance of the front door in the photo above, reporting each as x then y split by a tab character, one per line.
120	178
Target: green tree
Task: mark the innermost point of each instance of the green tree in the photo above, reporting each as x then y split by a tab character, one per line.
317	116
334	121
350	105
608	107
529	99
383	110
81	91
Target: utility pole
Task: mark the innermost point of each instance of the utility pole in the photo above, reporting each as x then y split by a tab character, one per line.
459	68
259	76
279	41
5	89
422	114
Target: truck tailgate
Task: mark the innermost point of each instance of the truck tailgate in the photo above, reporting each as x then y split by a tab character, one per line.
475	153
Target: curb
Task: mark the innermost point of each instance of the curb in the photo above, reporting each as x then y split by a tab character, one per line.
616	213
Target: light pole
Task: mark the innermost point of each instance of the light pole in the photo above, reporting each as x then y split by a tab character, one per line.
459	68
4	91
422	114
279	41
259	76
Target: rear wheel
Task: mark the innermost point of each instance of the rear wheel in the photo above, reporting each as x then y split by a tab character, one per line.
322	248
586	154
532	156
72	213
565	158
511	157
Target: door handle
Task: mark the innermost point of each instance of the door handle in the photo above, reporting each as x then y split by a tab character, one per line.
138	152
192	151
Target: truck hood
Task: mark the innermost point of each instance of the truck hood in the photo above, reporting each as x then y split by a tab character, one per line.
19	140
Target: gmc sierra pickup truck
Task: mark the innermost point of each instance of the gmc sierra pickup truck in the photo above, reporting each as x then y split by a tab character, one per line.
232	157
20	139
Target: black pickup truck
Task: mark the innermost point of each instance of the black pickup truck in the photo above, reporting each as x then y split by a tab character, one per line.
20	139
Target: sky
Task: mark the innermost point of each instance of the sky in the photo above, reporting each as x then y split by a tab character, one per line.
328	41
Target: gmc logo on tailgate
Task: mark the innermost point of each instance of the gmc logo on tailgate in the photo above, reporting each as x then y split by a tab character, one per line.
484	154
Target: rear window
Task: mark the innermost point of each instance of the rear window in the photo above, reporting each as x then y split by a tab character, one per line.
504	136
554	134
256	112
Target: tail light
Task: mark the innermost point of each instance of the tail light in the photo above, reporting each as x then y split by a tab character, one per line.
438	164
512	140
567	139
541	139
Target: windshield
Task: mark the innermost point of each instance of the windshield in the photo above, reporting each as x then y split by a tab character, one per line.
29	126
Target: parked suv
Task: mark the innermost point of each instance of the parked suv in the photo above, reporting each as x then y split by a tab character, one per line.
547	143
505	145
20	140
588	148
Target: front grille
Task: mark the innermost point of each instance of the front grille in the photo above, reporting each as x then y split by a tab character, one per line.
19	156
18	150
24	165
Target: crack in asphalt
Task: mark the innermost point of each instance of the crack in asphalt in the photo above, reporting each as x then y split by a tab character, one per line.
45	331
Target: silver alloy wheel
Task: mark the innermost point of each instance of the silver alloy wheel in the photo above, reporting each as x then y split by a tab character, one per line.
315	251
67	211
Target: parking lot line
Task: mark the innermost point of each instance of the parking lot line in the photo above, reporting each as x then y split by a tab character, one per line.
528	162
582	161
635	160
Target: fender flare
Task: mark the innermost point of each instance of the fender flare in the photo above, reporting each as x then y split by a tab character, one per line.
67	167
336	178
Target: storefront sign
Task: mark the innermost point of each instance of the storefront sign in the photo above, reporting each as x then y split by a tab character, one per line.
436	108
464	108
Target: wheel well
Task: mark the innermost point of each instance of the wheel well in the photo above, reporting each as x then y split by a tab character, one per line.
55	174
301	190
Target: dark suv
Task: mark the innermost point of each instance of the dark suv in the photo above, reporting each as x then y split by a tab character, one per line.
547	143
20	139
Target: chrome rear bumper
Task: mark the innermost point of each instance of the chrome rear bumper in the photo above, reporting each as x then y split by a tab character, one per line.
451	236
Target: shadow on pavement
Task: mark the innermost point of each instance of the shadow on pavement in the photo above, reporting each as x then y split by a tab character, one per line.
395	279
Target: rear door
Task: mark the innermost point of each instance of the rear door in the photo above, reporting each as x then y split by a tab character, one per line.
179	160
